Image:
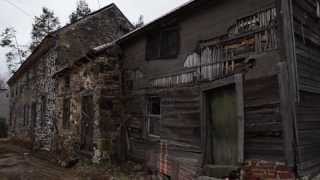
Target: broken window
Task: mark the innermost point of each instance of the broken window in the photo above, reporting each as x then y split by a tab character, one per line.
153	116
163	44
43	110
66	113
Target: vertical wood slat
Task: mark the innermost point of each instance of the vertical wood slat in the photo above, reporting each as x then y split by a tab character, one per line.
287	115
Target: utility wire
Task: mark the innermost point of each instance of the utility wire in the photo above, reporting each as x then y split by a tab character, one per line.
99	4
20	9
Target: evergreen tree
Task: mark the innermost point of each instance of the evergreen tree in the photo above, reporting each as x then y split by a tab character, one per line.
140	22
44	24
81	11
16	54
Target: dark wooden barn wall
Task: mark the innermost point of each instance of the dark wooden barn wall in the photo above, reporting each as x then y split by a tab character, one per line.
181	120
307	36
263	127
308	142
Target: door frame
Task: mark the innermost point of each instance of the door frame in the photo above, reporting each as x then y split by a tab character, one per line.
237	81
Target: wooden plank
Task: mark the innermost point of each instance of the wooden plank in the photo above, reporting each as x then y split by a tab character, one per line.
288	45
287	115
240	115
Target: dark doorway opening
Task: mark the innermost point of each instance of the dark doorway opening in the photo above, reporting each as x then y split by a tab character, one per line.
87	120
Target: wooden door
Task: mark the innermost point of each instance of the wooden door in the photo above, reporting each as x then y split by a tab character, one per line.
223	126
87	116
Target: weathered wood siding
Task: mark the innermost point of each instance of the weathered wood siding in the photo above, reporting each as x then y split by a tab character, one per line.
307	40
308	126
263	127
307	36
178	83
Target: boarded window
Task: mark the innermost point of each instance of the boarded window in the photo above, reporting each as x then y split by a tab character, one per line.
66	113
153	116
43	110
163	44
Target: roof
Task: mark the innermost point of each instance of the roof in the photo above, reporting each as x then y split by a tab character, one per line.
184	8
47	40
45	44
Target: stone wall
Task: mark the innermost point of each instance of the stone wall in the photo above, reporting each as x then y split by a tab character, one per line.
99	78
34	86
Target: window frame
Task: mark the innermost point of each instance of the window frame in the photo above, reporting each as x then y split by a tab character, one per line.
158	37
43	111
66	114
149	116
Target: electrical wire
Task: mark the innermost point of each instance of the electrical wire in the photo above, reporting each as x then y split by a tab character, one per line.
19	8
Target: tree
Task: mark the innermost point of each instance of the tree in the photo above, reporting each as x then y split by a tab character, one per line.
44	24
16	53
140	22
81	11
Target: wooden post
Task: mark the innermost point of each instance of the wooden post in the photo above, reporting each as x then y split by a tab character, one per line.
287	112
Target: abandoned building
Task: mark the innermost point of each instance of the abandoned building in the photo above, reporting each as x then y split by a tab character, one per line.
213	88
32	88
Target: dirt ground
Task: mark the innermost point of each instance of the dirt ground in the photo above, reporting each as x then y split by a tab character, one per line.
18	163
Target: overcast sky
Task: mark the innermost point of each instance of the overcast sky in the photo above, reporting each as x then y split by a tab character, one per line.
19	14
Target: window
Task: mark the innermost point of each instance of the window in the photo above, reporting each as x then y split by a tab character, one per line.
25	115
43	110
163	44
67	81
66	113
153	116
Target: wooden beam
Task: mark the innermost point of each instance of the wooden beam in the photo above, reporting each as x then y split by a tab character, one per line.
287	44
287	113
240	115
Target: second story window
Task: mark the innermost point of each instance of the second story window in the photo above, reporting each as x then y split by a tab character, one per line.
163	44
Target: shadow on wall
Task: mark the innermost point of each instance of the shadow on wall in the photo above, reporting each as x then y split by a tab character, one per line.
3	128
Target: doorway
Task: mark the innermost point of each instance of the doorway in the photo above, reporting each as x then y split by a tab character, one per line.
223	125
222	122
87	120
